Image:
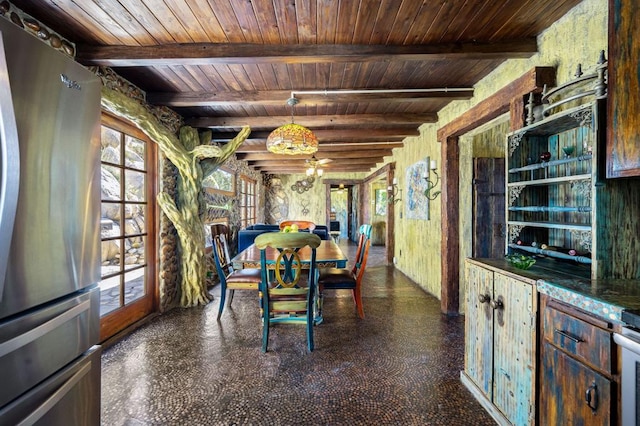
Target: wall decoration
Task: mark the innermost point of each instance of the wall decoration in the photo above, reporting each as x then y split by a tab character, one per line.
381	202
303	185
305	206
417	204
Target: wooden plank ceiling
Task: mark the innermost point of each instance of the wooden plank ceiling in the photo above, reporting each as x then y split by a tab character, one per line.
223	64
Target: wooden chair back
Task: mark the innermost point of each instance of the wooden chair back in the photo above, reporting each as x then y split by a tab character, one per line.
285	296
220	247
365	236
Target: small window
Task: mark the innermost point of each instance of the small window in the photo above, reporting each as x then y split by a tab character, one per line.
222	181
247	201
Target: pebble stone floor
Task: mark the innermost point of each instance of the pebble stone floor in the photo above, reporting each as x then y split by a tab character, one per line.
398	366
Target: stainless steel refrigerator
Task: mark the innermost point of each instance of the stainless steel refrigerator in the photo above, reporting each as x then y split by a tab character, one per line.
49	235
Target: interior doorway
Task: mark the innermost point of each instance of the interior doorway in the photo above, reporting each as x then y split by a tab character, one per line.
342	214
379	211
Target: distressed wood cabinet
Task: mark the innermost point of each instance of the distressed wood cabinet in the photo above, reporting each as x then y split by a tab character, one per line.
623	141
500	343
578	362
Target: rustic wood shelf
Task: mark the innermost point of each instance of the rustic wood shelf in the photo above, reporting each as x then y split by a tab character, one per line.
551	181
553	225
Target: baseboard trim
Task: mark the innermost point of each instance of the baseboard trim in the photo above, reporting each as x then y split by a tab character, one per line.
482	399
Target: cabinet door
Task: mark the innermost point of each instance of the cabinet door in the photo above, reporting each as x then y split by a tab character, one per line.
623	141
479	328
514	349
566	386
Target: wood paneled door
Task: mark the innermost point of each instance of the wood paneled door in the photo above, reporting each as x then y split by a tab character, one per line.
489	228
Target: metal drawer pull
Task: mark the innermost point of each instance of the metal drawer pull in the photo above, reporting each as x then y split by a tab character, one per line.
484	298
569	336
591	397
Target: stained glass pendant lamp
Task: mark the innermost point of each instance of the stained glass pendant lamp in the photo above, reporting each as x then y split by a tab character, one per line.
292	139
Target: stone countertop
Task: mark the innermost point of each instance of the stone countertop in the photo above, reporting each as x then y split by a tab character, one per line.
606	298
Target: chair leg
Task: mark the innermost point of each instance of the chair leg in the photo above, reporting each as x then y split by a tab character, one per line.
231	293
310	322
265	323
357	297
223	294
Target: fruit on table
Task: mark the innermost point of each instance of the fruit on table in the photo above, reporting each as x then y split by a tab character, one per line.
294	227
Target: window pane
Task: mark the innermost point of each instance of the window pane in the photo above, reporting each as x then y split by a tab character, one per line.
134	153
134	285
134	222
111	178
109	294
110	257
135	189
220	180
134	251
110	145
110	223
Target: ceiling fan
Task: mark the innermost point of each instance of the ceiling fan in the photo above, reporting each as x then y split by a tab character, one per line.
314	162
314	165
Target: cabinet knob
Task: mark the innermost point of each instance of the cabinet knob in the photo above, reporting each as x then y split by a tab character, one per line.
497	304
484	298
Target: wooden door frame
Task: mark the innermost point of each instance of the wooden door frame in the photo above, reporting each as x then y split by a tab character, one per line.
388	170
510	98
118	321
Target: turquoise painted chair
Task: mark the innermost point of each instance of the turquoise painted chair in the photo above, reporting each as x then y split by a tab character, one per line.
287	295
230	279
348	279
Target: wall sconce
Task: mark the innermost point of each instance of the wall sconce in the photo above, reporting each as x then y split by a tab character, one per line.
432	166
394	194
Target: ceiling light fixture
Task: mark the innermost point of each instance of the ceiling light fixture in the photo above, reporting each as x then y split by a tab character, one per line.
314	171
292	139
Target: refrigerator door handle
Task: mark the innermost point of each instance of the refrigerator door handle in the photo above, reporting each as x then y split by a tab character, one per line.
9	166
50	402
35	333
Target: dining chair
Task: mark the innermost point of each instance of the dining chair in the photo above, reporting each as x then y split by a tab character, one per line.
348	279
230	279
287	294
302	224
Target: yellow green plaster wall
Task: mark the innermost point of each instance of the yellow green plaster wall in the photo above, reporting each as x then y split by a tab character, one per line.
576	38
314	199
417	242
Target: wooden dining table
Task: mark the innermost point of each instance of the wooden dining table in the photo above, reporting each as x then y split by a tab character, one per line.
328	255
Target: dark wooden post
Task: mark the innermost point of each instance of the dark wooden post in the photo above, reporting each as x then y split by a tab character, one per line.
449	288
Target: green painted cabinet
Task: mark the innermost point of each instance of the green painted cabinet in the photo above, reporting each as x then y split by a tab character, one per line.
500	343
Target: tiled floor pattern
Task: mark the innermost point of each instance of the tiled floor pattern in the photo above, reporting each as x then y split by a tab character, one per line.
398	366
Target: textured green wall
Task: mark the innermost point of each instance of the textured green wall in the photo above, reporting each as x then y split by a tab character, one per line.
314	199
576	38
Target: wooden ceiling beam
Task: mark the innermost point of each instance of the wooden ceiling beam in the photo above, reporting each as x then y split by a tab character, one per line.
253	53
301	170
338	162
260	147
360	153
340	135
349	120
279	98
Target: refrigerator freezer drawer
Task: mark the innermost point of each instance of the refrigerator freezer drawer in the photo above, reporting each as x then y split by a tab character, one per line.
69	398
36	345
